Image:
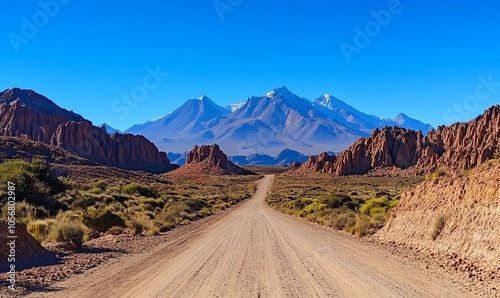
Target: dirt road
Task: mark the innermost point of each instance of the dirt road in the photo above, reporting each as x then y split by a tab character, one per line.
254	251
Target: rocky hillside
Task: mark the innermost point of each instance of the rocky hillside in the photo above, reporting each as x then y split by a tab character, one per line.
28	115
457	216
209	160
454	148
12	148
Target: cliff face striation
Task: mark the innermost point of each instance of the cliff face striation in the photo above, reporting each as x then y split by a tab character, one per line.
455	148
28	115
452	215
209	159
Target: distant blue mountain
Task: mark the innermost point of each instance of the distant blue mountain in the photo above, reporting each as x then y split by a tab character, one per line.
110	130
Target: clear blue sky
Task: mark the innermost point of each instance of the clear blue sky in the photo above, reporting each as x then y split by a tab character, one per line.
423	62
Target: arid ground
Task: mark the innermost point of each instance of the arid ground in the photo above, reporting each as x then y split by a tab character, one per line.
254	251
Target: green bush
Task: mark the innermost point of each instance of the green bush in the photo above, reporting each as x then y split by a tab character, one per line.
375	204
34	182
340	200
137	189
101	220
71	232
101	184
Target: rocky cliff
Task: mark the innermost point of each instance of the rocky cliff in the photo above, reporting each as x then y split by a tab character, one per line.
455	148
209	160
462	146
28	115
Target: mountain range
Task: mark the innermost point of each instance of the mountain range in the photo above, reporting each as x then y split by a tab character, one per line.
267	125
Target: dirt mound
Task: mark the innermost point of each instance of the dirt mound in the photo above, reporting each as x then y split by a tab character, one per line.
25	244
456	216
209	160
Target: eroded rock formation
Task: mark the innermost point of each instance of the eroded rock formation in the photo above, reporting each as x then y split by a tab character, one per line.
455	148
210	159
28	115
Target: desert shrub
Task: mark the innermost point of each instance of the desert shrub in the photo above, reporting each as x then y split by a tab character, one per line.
154	203
174	213
436	174
70	231
363	226
83	202
438	227
135	227
344	220
393	204
340	200
196	204
95	190
26	212
34	182
101	184
374	205
141	224
314	207
204	212
137	189
101	220
115	230
40	229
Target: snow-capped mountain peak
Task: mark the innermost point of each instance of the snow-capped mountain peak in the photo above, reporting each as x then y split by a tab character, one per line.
271	93
204	97
401	118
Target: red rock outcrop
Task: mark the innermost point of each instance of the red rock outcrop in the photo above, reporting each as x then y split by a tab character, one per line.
28	115
455	148
462	146
209	159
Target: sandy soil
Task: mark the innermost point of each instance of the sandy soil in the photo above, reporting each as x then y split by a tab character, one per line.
254	251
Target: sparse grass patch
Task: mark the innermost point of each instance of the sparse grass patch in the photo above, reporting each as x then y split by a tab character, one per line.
438	227
439	173
356	204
